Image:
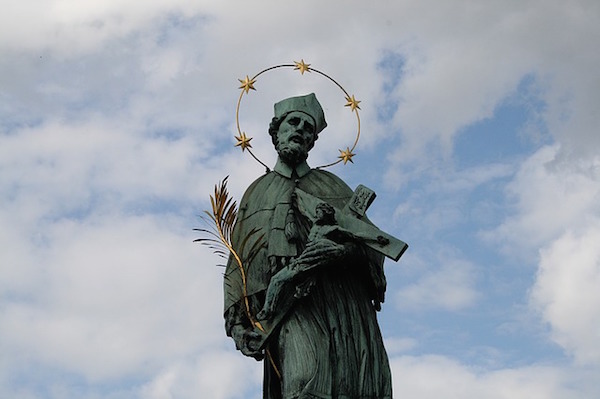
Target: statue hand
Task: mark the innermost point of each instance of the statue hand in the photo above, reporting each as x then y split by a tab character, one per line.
323	251
248	341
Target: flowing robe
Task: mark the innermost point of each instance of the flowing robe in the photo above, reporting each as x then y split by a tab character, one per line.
329	345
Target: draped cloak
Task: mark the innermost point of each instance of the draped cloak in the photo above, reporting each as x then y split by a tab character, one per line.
329	345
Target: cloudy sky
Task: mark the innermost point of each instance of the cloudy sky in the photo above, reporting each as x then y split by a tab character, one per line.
479	135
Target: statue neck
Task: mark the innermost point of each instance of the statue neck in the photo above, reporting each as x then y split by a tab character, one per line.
286	170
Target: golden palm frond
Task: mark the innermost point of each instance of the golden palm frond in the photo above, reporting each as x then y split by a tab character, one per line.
222	220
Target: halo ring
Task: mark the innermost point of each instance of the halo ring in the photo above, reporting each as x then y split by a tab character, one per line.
248	84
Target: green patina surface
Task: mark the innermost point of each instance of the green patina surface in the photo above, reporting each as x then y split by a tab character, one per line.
317	280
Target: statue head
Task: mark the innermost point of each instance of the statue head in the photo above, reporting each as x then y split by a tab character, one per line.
295	127
325	214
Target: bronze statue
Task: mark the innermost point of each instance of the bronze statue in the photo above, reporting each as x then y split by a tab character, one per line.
313	280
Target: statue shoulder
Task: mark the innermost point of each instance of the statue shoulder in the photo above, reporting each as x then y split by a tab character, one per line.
329	183
265	191
259	185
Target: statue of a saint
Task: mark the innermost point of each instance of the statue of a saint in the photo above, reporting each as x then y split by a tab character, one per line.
326	343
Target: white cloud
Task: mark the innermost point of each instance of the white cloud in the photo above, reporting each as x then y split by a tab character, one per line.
555	218
550	195
66	26
397	345
566	291
442	201
451	287
215	374
61	168
114	296
114	121
476	54
463	60
436	376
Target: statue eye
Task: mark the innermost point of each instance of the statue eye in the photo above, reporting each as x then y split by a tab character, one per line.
294	121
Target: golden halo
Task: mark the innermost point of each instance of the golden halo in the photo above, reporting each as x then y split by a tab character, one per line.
247	84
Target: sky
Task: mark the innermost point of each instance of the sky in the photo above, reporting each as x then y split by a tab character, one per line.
479	133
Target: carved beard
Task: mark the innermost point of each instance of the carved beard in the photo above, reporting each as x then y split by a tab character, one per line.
292	153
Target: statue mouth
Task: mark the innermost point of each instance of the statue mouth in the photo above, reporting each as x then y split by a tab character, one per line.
296	138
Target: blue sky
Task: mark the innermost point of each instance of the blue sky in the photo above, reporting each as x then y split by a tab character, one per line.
479	135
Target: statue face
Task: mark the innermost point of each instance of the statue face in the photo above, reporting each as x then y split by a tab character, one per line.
295	137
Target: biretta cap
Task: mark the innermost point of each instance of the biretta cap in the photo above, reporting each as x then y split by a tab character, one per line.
307	104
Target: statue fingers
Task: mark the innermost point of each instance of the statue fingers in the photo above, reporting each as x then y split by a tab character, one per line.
329	251
258	355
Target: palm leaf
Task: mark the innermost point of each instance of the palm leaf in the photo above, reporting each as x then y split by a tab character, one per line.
222	221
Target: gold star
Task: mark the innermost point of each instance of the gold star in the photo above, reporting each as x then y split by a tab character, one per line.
352	103
247	84
346	155
243	141
301	66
